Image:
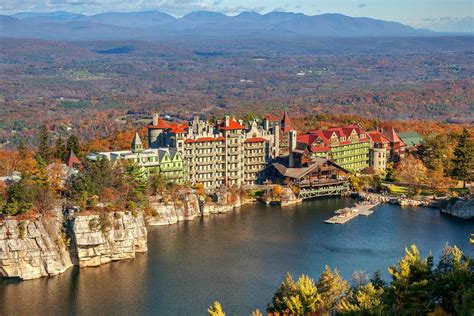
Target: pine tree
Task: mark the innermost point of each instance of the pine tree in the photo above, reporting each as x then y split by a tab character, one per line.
463	161
332	288
73	144
44	151
286	289
363	300
454	281
60	151
410	290
305	299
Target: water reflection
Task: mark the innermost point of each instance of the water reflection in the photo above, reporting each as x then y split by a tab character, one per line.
237	258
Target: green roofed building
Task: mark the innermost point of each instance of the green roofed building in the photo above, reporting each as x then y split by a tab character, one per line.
411	139
164	161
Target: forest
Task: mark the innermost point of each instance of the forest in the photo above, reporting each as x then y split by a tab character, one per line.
93	89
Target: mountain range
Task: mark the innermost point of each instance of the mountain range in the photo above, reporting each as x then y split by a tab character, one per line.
154	25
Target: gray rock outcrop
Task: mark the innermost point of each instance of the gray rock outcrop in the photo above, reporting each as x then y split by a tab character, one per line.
99	239
463	208
33	248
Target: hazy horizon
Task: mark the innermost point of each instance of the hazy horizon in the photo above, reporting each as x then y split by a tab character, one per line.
437	15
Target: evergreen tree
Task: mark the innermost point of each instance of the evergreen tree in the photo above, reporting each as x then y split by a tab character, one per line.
44	151
463	161
332	288
410	291
73	144
362	300
377	281
60	151
305	299
136	183
22	152
454	281
20	198
286	289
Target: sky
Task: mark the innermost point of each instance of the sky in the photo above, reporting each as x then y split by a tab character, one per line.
418	13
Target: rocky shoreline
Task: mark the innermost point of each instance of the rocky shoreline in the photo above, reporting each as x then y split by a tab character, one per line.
462	207
46	246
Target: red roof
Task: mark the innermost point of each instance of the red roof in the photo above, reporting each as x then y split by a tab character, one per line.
325	135
377	137
204	139
178	128
162	124
254	140
392	135
72	160
286	123
233	125
272	118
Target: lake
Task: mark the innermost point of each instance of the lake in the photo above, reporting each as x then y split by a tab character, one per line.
238	259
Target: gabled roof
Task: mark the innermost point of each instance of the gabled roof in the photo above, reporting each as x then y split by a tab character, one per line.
178	128
137	140
270	117
286	123
298	173
377	137
410	138
162	124
72	160
173	153
233	125
391	135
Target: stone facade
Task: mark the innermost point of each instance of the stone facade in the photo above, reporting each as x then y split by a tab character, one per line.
227	153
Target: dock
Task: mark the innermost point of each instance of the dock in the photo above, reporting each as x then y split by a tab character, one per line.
347	214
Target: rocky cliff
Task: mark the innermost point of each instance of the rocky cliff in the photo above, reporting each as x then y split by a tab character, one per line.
185	207
189	205
33	248
99	239
463	208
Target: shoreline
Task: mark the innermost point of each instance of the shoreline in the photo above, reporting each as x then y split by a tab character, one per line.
30	250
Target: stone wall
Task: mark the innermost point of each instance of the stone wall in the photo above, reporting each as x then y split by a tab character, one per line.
463	208
99	239
34	248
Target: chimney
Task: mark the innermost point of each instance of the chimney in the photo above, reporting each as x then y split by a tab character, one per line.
226	122
292	144
155	119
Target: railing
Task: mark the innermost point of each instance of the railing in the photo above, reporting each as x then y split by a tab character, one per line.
322	191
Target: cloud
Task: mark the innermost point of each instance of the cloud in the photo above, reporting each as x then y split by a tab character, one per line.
174	7
362	5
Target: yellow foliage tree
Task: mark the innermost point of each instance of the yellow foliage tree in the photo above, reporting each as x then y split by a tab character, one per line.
215	309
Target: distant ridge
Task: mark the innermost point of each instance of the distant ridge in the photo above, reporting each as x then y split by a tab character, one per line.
153	25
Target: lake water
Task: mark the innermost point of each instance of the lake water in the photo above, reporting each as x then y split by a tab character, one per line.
238	259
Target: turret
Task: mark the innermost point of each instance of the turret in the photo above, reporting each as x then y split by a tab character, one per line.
137	144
